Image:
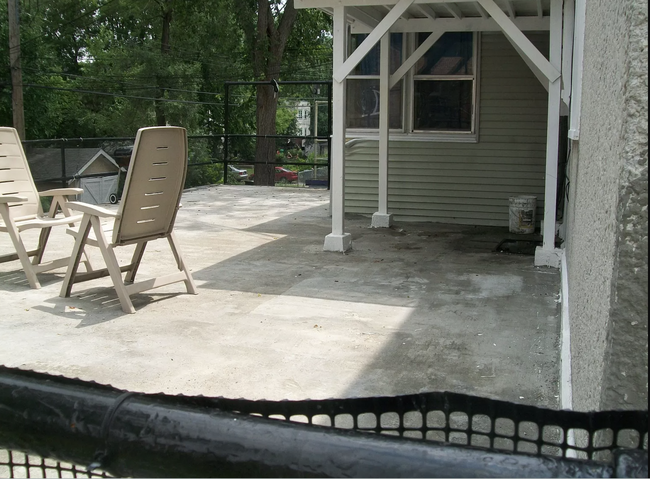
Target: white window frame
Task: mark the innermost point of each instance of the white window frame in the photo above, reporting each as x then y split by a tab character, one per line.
407	132
364	132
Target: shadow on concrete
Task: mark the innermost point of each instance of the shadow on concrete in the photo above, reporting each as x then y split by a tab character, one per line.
418	307
435	302
100	305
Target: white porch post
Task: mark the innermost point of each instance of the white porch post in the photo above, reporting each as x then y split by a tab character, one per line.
548	255
338	241
382	219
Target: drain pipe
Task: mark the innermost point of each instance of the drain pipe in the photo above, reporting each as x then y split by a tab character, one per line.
136	435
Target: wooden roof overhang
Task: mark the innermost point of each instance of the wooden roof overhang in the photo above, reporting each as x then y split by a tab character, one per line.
428	15
378	17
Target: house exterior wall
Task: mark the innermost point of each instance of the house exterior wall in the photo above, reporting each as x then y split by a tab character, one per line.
607	223
466	183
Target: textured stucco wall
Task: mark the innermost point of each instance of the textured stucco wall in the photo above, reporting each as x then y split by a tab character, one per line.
607	212
625	382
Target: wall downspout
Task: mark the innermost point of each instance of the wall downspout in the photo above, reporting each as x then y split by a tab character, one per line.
578	61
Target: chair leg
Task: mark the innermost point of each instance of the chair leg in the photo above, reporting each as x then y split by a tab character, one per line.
86	261
23	256
57	203
75	258
42	242
113	267
135	262
45	233
189	282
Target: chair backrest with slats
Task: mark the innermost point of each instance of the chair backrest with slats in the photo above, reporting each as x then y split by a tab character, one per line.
16	177
154	185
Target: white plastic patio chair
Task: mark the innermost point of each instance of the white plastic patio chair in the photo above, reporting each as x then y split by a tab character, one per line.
21	210
147	212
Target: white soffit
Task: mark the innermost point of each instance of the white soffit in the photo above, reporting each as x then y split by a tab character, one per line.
436	15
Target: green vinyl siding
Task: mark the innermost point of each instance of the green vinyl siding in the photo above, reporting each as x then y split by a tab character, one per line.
466	183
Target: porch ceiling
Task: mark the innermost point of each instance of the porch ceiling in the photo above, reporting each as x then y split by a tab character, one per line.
366	14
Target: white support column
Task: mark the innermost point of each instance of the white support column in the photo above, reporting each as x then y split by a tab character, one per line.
523	44
548	255
342	71
382	219
338	241
414	58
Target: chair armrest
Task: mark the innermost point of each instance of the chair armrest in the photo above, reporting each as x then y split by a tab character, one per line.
62	192
91	209
13	199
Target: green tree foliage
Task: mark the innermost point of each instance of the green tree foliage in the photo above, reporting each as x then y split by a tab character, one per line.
103	68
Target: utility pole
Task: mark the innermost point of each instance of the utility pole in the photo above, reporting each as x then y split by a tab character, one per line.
17	104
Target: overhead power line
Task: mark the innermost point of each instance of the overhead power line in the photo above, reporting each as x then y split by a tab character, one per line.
121	83
119	95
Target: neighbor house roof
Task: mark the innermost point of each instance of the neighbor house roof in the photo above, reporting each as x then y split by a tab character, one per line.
45	163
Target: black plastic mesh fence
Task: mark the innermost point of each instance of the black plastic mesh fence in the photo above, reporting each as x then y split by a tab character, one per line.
467	420
443	417
18	464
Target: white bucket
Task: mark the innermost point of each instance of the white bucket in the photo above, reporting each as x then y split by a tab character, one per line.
523	212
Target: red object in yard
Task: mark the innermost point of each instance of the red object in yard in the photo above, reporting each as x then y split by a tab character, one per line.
282	175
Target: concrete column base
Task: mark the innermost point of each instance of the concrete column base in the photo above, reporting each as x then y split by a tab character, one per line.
338	243
550	258
382	221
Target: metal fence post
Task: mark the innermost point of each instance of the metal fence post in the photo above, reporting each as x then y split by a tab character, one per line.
226	131
330	97
64	182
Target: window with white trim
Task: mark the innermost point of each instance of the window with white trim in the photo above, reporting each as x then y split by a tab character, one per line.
437	98
363	87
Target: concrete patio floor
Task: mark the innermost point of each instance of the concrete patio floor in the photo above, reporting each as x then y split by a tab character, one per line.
416	308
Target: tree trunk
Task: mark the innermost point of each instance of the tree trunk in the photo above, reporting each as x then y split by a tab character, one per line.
269	48
267	107
165	49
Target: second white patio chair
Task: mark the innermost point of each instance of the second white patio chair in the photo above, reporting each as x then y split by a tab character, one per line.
21	210
147	212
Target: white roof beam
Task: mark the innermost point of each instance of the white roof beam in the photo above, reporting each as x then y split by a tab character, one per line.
413	59
454	10
540	9
536	71
365	17
467	24
375	36
528	50
428	11
405	15
365	3
482	10
511	9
